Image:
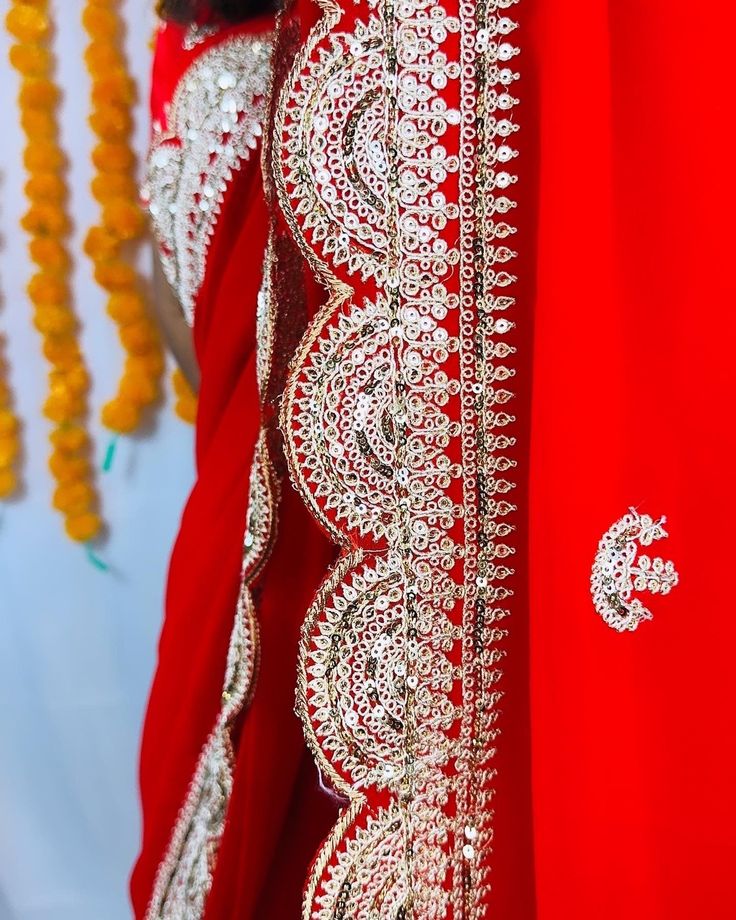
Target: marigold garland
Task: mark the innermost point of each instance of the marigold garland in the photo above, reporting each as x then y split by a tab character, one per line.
186	399
121	219
47	223
9	434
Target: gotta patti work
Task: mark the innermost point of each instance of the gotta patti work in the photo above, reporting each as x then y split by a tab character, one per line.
393	151
213	125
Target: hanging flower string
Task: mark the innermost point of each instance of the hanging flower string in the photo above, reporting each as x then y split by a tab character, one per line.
186	399
9	433
121	220
47	224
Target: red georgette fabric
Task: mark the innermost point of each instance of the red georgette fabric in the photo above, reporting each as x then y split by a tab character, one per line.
204	581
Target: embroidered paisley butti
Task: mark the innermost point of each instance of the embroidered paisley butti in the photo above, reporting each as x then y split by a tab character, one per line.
393	171
213	125
620	571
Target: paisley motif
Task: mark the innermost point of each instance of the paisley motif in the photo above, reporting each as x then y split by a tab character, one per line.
393	174
213	125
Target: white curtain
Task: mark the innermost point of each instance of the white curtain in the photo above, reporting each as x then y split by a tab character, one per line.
77	645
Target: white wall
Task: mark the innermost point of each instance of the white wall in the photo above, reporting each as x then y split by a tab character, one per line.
76	645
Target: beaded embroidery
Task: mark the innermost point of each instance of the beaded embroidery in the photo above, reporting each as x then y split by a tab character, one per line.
619	571
398	436
213	126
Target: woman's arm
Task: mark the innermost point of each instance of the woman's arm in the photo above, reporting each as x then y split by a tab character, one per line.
176	333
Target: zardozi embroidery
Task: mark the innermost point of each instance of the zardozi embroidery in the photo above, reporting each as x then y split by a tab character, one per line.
213	125
394	174
620	571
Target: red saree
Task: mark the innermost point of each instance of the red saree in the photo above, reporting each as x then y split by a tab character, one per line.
512	418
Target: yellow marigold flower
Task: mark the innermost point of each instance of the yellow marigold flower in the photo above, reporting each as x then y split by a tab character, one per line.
62	352
71	439
113	185
43	156
121	415
54	320
46	186
8	423
151	363
9	450
45	220
138	388
8	483
138	337
27	23
99	244
114	275
38	93
30	60
113	157
123	218
68	469
115	87
101	57
126	306
74	498
100	22
83	527
49	254
111	123
46	289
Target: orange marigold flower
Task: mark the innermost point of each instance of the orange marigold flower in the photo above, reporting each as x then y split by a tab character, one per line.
62	352
99	244
70	439
113	185
77	379
138	337
121	415
74	498
126	306
8	483
151	363
48	289
186	409
46	186
27	23
49	254
43	156
111	123
56	321
38	93
45	220
8	423
9	450
138	388
101	57
113	157
62	405
30	60
115	86
123	218
100	22
68	469
114	275
38	123
83	527
181	384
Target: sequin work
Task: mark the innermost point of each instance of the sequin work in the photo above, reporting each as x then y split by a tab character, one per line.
213	125
394	174
619	571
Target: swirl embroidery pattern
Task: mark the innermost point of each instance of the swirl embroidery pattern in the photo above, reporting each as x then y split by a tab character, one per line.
213	126
395	130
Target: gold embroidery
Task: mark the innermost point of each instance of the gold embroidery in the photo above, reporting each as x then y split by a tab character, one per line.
398	437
